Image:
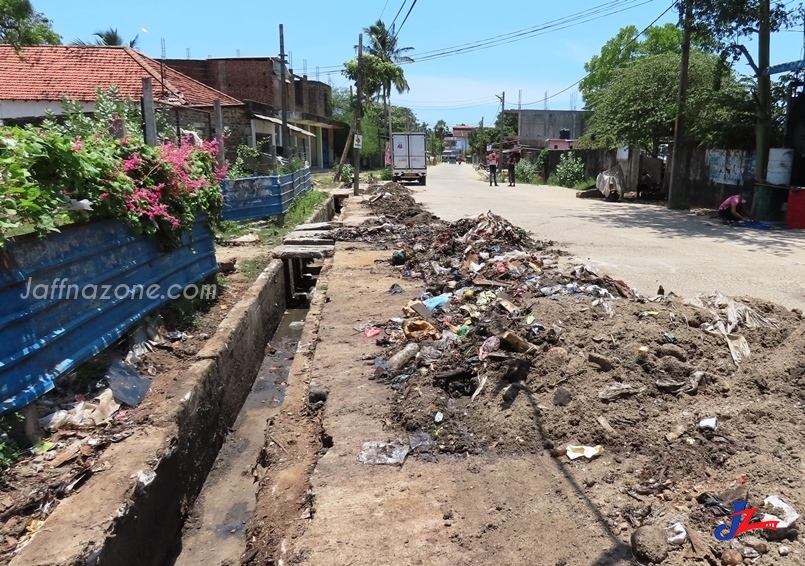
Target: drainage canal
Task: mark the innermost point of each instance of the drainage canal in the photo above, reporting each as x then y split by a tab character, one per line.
215	530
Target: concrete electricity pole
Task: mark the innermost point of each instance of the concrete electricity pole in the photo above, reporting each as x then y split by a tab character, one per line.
358	112
676	187
502	99
286	137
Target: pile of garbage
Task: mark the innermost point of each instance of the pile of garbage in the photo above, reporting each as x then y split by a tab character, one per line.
503	344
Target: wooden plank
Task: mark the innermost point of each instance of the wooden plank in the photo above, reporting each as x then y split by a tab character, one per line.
307	242
318	226
303	252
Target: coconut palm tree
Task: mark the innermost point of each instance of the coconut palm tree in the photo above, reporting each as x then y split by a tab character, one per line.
383	44
108	37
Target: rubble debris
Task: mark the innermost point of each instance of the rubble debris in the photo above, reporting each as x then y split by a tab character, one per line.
84	414
589	452
383	453
650	544
127	385
516	332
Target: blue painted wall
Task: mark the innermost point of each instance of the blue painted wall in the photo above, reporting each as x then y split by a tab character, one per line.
42	338
263	197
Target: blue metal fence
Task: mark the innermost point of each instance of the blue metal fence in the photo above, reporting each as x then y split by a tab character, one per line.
66	298
263	197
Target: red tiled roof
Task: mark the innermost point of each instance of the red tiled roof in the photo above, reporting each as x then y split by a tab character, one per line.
48	73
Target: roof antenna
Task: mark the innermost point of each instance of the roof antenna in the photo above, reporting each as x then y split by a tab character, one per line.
188	53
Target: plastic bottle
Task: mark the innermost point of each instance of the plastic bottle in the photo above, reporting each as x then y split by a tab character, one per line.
401	358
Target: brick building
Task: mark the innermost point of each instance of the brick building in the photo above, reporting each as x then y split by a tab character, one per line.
256	81
36	80
535	127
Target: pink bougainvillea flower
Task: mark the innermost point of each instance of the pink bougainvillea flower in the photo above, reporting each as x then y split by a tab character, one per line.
78	145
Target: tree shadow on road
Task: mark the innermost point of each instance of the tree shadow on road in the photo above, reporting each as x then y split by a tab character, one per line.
619	554
683	224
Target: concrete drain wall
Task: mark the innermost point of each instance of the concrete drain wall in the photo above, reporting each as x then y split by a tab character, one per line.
158	472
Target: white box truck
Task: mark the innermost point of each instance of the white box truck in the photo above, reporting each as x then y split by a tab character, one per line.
408	159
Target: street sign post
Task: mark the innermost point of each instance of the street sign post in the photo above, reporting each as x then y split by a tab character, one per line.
358	143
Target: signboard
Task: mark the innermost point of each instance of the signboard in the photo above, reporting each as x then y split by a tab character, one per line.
358	143
489	147
785	68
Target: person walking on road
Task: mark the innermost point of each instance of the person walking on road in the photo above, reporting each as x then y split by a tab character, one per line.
492	160
511	164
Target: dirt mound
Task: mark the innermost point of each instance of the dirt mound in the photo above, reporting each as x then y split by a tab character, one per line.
513	354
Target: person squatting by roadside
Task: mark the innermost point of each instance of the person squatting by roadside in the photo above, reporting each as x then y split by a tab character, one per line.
734	208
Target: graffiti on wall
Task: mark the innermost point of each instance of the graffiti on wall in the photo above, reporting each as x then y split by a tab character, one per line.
730	166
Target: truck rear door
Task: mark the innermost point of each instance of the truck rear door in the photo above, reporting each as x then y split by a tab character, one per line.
416	149
401	149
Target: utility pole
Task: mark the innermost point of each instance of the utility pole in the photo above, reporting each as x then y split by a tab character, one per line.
763	129
358	111
483	141
676	188
502	99
286	137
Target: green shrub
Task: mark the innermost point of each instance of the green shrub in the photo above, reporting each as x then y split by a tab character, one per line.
569	172
542	160
387	174
347	173
245	164
93	167
526	172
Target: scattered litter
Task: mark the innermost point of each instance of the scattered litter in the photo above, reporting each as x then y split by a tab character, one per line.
383	453
491	344
439	417
396	289
708	424
437	302
619	390
127	385
401	358
602	420
144	478
678	386
372	331
789	515
589	452
420	442
420	330
85	414
677	534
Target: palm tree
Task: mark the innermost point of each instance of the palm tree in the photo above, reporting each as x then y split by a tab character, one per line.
108	37
383	44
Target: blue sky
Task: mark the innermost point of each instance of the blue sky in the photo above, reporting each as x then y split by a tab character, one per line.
458	88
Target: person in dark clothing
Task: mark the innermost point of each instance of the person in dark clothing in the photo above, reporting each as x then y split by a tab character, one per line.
492	160
512	163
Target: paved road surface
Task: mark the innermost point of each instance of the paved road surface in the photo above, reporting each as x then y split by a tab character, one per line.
645	245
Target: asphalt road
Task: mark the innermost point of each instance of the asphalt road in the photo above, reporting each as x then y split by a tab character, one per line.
645	245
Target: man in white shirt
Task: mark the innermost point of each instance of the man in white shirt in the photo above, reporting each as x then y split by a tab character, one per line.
492	160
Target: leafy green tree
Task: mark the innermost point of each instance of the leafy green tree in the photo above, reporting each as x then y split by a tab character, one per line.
639	108
603	69
342	104
731	24
108	37
21	25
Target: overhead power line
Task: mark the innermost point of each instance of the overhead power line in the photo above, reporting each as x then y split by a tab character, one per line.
405	19
635	38
611	7
398	13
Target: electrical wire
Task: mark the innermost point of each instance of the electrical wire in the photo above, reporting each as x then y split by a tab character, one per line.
398	14
406	19
383	11
608	8
585	76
